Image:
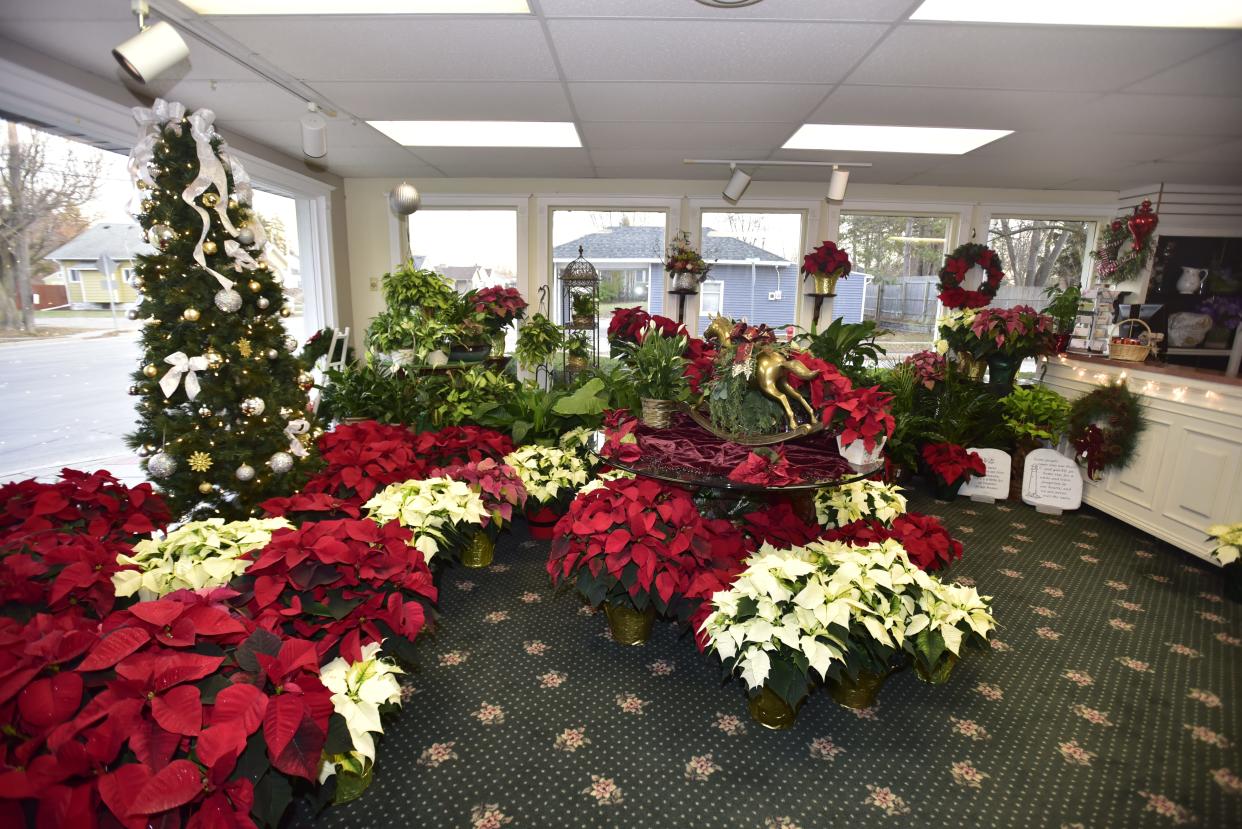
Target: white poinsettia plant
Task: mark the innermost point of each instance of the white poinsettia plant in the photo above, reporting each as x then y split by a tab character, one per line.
827	607
549	474
947	617
1228	540
196	556
952	321
604	477
841	505
576	441
359	690
439	512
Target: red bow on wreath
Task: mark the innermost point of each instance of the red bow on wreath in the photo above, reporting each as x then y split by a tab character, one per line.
1092	448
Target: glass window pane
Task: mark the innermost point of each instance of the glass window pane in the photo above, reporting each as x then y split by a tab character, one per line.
1035	253
897	260
279	217
755	258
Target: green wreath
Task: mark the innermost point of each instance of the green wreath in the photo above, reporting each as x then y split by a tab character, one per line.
1105	426
1116	258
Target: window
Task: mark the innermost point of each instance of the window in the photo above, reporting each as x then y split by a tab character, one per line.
711	299
75	275
897	260
1036	252
279	217
757	256
626	248
127	276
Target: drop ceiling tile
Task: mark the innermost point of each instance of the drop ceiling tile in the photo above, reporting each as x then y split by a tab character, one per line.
466	101
881	10
366	162
341	133
676	136
1050	148
717	50
477	162
645	170
695	101
888	167
1002	176
1182	173
934	107
77	10
229	100
1218	72
1028	57
1227	153
400	48
1174	114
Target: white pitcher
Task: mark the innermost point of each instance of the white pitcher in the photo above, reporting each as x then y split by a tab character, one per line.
1190	280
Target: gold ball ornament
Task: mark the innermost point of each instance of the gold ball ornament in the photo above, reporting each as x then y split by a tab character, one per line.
149	370
206	487
210	248
214	359
305	381
254	285
142	185
147	205
190	315
210	200
234	204
284	311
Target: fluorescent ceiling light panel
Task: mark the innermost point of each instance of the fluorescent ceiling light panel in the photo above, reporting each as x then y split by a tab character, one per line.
480	133
306	8
1182	14
937	140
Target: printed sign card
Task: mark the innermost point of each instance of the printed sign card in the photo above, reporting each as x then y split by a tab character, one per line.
994	486
1051	482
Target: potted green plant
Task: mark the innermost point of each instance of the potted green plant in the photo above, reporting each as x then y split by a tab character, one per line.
577	351
390	332
1032	415
685	266
584	307
411	290
655	367
850	346
469	341
1007	336
538	339
1063	308
551	477
1227	539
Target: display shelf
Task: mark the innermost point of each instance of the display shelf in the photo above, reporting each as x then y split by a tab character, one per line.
1198	352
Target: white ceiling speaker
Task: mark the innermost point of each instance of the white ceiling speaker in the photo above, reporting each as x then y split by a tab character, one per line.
314	133
151	52
738	182
404	199
836	184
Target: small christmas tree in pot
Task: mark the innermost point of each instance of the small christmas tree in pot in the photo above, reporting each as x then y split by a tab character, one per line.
222	419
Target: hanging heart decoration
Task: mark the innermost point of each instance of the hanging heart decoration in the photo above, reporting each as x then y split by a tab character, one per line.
1142	223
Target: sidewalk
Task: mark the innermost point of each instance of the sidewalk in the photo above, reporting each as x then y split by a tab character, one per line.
124	467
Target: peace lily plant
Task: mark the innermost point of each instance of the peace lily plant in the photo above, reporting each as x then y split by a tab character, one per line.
550	475
838	506
359	690
439	512
196	555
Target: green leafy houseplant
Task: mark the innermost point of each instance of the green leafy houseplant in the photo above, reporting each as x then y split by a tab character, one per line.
538	339
656	368
390	331
1035	414
1063	306
577	349
911	407
850	346
966	414
584	309
368	390
409	289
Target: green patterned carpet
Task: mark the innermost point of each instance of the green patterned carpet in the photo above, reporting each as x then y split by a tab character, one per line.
1108	700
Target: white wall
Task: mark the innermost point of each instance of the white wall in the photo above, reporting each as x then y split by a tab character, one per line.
373	248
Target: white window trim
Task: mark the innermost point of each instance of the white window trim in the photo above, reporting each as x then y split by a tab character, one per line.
720	286
74	275
1096	215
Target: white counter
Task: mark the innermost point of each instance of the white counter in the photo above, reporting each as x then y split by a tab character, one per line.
1186	473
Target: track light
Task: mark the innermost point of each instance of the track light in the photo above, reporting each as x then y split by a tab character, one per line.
836	184
738	182
151	52
314	132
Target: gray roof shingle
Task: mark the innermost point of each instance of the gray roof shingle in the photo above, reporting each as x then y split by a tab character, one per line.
119	241
647	244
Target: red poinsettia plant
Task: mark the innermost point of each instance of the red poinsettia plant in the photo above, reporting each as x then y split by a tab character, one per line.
635	543
362	458
499	306
629	324
824	389
95	503
826	260
863	414
498	485
343	583
620	438
458	445
60	572
316	506
951	463
765	467
928	544
700	363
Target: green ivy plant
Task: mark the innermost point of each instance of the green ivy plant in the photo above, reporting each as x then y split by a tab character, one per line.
584	305
409	289
538	339
390	330
1035	414
1063	306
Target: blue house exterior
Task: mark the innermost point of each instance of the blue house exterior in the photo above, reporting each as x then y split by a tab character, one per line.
745	282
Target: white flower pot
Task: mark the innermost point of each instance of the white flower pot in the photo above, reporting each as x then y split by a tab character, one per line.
437	358
857	455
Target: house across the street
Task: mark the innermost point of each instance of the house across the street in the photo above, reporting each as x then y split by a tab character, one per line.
97	265
745	282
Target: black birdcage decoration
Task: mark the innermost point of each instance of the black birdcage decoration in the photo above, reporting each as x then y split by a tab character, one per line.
580	315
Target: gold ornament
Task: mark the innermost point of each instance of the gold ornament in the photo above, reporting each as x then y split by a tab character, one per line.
147	205
233	204
214	359
244	348
206	487
190	314
284	311
255	286
200	462
142	185
210	248
210	200
305	381
149	370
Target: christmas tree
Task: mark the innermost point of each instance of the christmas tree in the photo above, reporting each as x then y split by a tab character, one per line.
222	411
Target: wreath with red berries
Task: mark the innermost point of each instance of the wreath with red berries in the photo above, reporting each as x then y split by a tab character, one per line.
956	265
1104	428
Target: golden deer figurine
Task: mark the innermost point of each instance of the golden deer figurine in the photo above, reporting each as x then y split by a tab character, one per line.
771	372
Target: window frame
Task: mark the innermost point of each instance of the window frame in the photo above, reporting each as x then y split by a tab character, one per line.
1095	216
400	226
73	276
719	285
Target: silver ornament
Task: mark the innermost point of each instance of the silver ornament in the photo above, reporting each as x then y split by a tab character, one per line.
272	354
161	235
245	472
263	302
161	465
245	236
142	451
228	300
291	344
253	406
204	412
404	199
131	314
280	463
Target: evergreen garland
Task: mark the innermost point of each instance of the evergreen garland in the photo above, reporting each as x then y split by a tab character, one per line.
1104	427
213	455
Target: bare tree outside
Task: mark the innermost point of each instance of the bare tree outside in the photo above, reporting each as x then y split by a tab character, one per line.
41	201
891	247
1039	252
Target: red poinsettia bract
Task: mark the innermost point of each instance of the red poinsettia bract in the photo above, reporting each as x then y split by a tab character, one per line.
925	539
951	462
863	414
95	503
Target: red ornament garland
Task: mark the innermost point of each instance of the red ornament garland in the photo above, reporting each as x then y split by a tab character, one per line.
957	264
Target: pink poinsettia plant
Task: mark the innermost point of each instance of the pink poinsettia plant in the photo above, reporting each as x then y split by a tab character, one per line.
499	306
1020	331
929	368
952	463
765	467
498	485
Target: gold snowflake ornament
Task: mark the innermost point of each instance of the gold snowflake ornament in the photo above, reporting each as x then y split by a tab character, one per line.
200	462
244	348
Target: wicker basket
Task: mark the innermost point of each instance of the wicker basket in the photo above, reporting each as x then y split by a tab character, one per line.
658	414
1127	352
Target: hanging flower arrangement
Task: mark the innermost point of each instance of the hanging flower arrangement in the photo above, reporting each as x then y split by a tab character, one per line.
957	264
826	264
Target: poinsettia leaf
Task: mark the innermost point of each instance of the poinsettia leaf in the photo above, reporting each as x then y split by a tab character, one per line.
49	502
303	752
219	741
261	641
176	668
283	716
253	761
179	710
272	796
174	785
51	700
242	704
113	647
339	608
158	613
117	789
339	741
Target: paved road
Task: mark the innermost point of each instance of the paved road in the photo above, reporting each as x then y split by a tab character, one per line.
65	402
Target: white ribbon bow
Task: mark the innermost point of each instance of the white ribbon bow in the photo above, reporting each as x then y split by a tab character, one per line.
210	174
182	365
241	259
150	121
295	428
